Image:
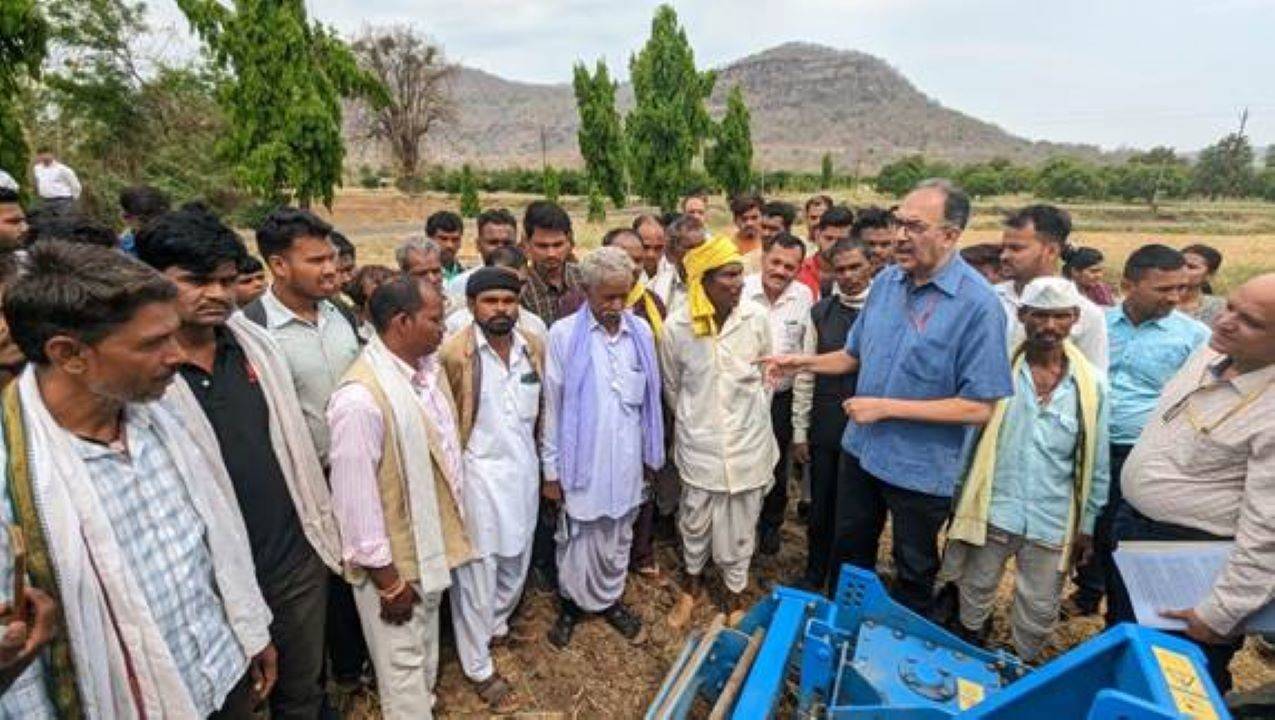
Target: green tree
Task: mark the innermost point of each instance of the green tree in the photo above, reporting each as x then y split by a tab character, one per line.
900	176
283	98
1224	169
469	206
1064	178
730	159
601	135
597	203
1270	157
1266	183
24	36
669	122
825	171
551	184
1159	155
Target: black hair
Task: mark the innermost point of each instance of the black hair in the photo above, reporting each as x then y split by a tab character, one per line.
745	201
956	204
344	248
282	227
788	241
609	238
1152	257
507	256
9	196
645	218
250	265
546	215
982	254
837	216
197	242
78	290
668	218
399	295
143	202
497	216
871	218
782	210
847	245
1080	258
824	200
443	221
1048	222
46	224
699	191
1212	257
378	274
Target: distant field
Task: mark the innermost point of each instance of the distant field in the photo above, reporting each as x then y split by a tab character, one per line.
1243	231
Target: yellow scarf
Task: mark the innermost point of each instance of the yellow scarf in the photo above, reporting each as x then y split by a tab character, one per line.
969	522
715	253
639	294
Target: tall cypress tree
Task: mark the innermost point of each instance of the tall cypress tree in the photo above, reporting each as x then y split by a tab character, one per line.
24	35
601	136
668	123
283	100
730	159
469	206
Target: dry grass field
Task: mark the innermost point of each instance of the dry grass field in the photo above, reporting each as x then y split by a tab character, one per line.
599	675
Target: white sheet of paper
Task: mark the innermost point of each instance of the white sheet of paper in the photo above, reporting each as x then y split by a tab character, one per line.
1176	575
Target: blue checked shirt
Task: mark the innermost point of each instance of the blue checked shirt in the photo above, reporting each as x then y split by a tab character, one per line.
1143	358
941	340
27	698
162	537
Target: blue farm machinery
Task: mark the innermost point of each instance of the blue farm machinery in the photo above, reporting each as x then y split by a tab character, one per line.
862	656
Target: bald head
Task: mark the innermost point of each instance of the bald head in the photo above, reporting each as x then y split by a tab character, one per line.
1245	330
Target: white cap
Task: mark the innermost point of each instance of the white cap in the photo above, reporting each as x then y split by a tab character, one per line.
1050	293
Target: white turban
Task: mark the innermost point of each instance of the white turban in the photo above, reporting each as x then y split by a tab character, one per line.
1050	293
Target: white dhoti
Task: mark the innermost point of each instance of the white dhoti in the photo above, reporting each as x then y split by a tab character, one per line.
723	525
483	595
405	656
593	559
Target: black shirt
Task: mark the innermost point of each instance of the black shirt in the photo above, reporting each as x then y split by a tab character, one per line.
235	405
832	320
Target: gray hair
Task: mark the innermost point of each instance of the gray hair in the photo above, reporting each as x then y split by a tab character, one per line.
606	262
682	229
411	245
956	204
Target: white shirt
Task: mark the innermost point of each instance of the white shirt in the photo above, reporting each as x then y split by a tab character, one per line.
723	440
318	354
56	181
7	181
502	469
668	286
789	316
619	388
527	322
1089	333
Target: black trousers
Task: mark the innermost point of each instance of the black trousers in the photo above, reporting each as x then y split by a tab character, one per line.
822	519
862	502
1091	578
298	599
347	650
240	703
775	506
1132	525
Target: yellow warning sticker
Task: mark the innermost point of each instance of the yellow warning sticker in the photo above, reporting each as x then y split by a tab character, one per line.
1189	692
968	693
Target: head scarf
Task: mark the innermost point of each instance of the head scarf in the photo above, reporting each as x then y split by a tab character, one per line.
639	294
714	253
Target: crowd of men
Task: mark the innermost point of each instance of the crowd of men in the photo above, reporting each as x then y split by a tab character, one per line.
228	487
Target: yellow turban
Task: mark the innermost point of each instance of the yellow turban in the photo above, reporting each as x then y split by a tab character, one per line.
715	253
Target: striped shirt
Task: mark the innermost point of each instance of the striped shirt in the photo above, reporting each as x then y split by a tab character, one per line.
163	540
28	697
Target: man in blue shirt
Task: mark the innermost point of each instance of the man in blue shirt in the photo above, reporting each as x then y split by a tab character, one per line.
1150	340
929	348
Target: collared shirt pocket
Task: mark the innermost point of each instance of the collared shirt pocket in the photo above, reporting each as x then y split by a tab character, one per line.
928	364
527	398
632	388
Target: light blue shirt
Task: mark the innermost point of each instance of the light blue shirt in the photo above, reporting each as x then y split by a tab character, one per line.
1143	358
28	697
620	388
163	540
1036	454
944	339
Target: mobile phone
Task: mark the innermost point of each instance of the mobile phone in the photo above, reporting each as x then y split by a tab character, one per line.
18	549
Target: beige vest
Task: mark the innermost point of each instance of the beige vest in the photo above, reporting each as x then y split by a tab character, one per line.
392	486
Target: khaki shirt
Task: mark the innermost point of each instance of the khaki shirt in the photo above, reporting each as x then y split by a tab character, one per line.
723	440
1206	460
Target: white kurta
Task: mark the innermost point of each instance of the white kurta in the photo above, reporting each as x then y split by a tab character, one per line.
789	316
502	471
723	440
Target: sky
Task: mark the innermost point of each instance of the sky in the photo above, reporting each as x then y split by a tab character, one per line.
1114	73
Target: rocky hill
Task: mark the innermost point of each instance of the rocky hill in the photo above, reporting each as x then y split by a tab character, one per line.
805	100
